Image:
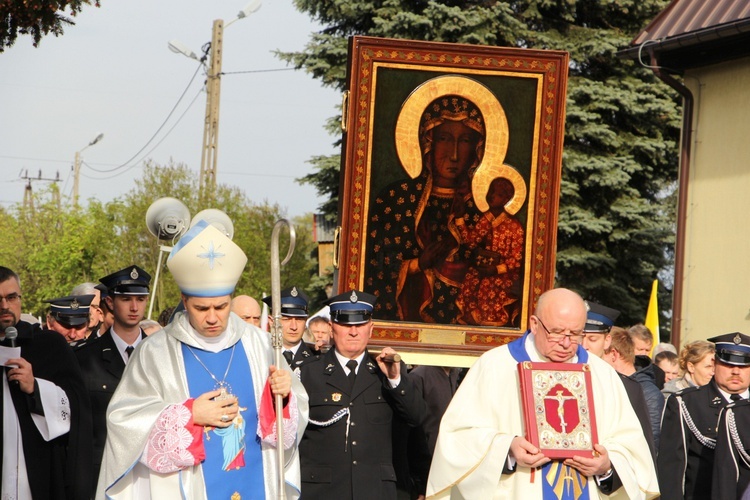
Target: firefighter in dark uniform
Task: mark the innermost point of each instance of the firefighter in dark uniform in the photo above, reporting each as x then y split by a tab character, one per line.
346	449
103	361
731	477
294	313
690	421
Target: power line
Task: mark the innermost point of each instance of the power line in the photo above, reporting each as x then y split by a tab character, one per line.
256	71
147	153
160	126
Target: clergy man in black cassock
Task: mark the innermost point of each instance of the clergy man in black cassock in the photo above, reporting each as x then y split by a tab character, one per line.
44	410
346	449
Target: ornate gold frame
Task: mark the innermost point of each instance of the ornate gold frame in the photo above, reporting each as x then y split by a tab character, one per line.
386	97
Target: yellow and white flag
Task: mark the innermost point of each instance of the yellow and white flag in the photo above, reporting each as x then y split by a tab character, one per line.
652	316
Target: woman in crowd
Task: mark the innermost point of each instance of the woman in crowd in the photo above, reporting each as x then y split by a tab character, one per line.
697	365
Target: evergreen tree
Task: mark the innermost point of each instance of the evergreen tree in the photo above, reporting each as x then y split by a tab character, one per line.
616	229
36	18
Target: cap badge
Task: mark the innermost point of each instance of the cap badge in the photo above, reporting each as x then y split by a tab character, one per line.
134	274
294	292
336	397
737	339
353	296
74	304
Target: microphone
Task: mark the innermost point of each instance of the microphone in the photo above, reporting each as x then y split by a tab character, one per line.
11	334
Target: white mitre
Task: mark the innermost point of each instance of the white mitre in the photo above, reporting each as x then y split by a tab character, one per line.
205	263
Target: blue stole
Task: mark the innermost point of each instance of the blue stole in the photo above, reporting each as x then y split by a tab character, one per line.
559	481
224	472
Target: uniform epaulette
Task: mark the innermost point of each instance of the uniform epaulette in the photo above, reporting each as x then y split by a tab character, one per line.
686	390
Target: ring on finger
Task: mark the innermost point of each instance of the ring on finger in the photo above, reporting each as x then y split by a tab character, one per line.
224	418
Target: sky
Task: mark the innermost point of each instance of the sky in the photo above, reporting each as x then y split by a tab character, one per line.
112	73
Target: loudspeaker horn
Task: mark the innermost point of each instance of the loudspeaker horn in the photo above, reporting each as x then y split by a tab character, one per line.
167	218
217	219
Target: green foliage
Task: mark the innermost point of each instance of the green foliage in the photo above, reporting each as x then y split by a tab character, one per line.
63	246
616	221
36	18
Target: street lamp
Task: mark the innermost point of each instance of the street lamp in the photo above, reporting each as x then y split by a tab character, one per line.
213	90
77	167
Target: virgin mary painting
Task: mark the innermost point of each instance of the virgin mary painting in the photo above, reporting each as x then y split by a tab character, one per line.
422	242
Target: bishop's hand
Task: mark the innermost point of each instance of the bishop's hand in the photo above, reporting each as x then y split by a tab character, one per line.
215	408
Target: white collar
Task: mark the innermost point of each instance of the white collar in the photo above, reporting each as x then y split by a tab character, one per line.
728	397
294	349
122	345
210	344
343	360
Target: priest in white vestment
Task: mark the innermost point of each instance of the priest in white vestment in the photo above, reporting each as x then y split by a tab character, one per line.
481	451
193	416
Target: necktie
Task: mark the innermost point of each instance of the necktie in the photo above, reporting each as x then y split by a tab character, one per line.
352	365
129	350
735	397
288	356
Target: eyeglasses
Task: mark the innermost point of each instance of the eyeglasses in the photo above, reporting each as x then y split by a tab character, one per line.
557	336
11	298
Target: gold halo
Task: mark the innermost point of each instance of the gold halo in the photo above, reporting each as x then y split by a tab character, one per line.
407	125
480	184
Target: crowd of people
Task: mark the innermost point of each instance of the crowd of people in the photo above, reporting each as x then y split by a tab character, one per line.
94	406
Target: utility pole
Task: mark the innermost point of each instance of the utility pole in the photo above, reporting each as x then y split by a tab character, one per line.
77	167
210	148
28	194
211	125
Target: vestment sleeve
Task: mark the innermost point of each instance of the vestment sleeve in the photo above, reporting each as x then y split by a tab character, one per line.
175	441
671	458
55	420
267	418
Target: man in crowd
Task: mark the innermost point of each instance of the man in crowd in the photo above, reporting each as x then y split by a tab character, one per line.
103	361
621	357
597	340
481	451
293	312
193	416
688	428
46	418
320	330
69	316
346	449
247	308
643	341
96	316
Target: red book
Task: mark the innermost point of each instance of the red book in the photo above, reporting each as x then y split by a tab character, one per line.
558	408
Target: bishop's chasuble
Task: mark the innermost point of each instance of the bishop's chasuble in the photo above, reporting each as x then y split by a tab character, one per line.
154	450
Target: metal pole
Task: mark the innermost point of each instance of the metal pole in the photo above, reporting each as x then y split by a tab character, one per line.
277	340
162	249
211	125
